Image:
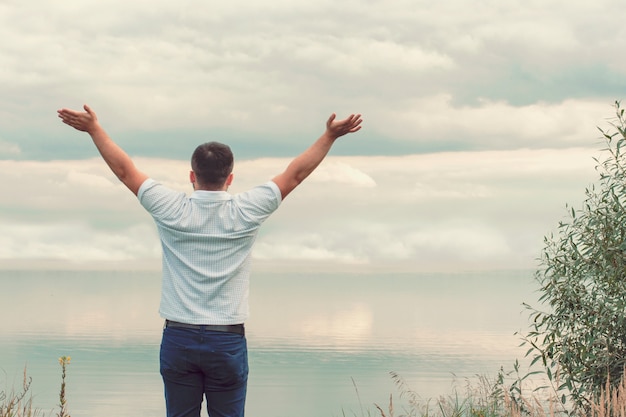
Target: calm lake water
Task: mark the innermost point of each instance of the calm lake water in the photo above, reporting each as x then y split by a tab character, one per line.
312	337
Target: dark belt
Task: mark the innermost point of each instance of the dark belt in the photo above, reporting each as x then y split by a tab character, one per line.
230	328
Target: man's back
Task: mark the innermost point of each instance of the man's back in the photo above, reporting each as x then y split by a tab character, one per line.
207	240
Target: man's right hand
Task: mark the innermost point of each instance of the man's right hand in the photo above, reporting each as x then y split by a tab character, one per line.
337	128
300	168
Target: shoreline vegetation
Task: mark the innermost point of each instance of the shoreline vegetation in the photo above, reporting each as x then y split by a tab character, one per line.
20	403
480	397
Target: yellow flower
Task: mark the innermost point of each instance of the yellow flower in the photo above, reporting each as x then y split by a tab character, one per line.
64	360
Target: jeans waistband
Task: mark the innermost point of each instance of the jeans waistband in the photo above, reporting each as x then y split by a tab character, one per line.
230	328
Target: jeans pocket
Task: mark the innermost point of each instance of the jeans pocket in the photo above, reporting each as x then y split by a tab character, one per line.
174	353
227	367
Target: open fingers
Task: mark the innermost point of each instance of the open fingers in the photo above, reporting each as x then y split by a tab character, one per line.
353	122
77	120
357	120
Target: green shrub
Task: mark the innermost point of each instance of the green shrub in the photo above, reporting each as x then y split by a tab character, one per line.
580	339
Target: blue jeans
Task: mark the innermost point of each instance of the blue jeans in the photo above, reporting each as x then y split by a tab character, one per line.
197	363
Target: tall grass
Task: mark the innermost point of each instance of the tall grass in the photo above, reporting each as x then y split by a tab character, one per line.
64	361
20	403
483	397
611	401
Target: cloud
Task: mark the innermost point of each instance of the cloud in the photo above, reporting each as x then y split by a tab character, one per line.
432	211
75	242
8	150
76	178
467	108
355	56
306	247
494	125
339	172
448	76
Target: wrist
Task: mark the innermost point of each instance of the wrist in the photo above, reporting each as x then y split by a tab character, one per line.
94	128
328	135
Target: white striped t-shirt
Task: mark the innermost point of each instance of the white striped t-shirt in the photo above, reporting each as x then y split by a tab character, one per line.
207	240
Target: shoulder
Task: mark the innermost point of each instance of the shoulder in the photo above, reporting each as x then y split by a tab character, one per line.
272	188
262	199
147	184
151	186
267	191
153	194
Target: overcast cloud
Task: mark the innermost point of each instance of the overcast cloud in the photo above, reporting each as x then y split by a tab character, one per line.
480	122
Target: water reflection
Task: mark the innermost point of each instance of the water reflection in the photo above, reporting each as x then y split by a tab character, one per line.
309	336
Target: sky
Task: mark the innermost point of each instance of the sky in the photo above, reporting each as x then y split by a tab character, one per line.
480	123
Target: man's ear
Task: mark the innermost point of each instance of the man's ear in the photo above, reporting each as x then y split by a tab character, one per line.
192	177
229	180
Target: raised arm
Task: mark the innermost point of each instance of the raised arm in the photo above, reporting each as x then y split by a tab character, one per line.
302	166
120	163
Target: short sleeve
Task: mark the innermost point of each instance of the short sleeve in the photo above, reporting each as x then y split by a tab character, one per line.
159	200
260	201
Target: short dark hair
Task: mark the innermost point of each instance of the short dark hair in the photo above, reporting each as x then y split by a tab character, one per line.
212	162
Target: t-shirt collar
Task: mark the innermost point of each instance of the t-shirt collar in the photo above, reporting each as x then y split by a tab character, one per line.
210	195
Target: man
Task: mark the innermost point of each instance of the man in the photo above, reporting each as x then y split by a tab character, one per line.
206	239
